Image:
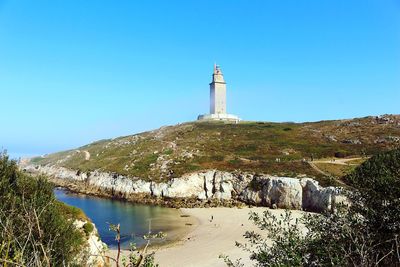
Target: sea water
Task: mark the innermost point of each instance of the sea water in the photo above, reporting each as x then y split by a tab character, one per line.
135	220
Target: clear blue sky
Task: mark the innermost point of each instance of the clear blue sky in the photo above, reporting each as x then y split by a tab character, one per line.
72	72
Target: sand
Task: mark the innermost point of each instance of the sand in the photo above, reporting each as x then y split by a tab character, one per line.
208	239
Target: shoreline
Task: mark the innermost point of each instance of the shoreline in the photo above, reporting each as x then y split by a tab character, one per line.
179	235
176	226
205	242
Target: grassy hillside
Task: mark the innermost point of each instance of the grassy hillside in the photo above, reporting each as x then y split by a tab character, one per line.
273	148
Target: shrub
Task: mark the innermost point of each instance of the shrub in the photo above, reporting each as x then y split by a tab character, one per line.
137	257
168	151
34	231
377	198
217	158
340	154
366	233
88	228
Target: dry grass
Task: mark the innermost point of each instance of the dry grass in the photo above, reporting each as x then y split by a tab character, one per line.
335	170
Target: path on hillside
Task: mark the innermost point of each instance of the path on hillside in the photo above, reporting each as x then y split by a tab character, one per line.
324	173
338	161
317	169
332	161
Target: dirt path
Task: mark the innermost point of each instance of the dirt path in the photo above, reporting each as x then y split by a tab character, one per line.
337	161
317	169
343	162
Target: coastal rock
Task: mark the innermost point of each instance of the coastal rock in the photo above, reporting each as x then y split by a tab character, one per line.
262	190
158	189
115	183
251	197
223	186
93	255
142	187
283	192
317	198
208	184
185	187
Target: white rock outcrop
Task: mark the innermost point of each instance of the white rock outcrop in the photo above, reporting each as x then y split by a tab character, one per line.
264	190
94	255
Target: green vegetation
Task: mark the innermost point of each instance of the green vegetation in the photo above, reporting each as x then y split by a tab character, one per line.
365	233
378	185
137	257
35	229
88	228
272	148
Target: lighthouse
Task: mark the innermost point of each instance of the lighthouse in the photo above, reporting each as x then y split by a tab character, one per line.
218	99
217	92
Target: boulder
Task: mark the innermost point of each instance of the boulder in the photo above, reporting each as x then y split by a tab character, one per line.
317	198
283	192
251	196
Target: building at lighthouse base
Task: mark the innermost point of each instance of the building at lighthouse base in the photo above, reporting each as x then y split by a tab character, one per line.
219	117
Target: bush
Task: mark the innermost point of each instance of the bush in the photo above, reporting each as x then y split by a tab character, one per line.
340	154
88	228
217	158
33	229
137	257
364	234
377	198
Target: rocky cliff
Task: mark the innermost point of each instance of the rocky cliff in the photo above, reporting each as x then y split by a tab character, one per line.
93	255
205	186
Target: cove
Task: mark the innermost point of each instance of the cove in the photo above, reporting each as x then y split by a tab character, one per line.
133	218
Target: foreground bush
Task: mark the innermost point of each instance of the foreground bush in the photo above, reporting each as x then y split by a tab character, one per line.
35	229
364	234
137	257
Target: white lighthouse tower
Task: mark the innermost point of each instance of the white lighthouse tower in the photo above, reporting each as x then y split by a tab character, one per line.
218	99
217	92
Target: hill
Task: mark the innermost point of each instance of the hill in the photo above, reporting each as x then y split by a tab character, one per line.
285	149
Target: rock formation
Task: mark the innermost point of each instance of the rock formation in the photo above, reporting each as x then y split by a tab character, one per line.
260	190
93	255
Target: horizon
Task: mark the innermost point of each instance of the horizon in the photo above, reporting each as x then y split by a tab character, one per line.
72	73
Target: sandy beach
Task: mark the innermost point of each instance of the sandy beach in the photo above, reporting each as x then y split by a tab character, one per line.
210	239
207	240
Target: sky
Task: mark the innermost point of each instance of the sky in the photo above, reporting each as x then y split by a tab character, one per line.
72	72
